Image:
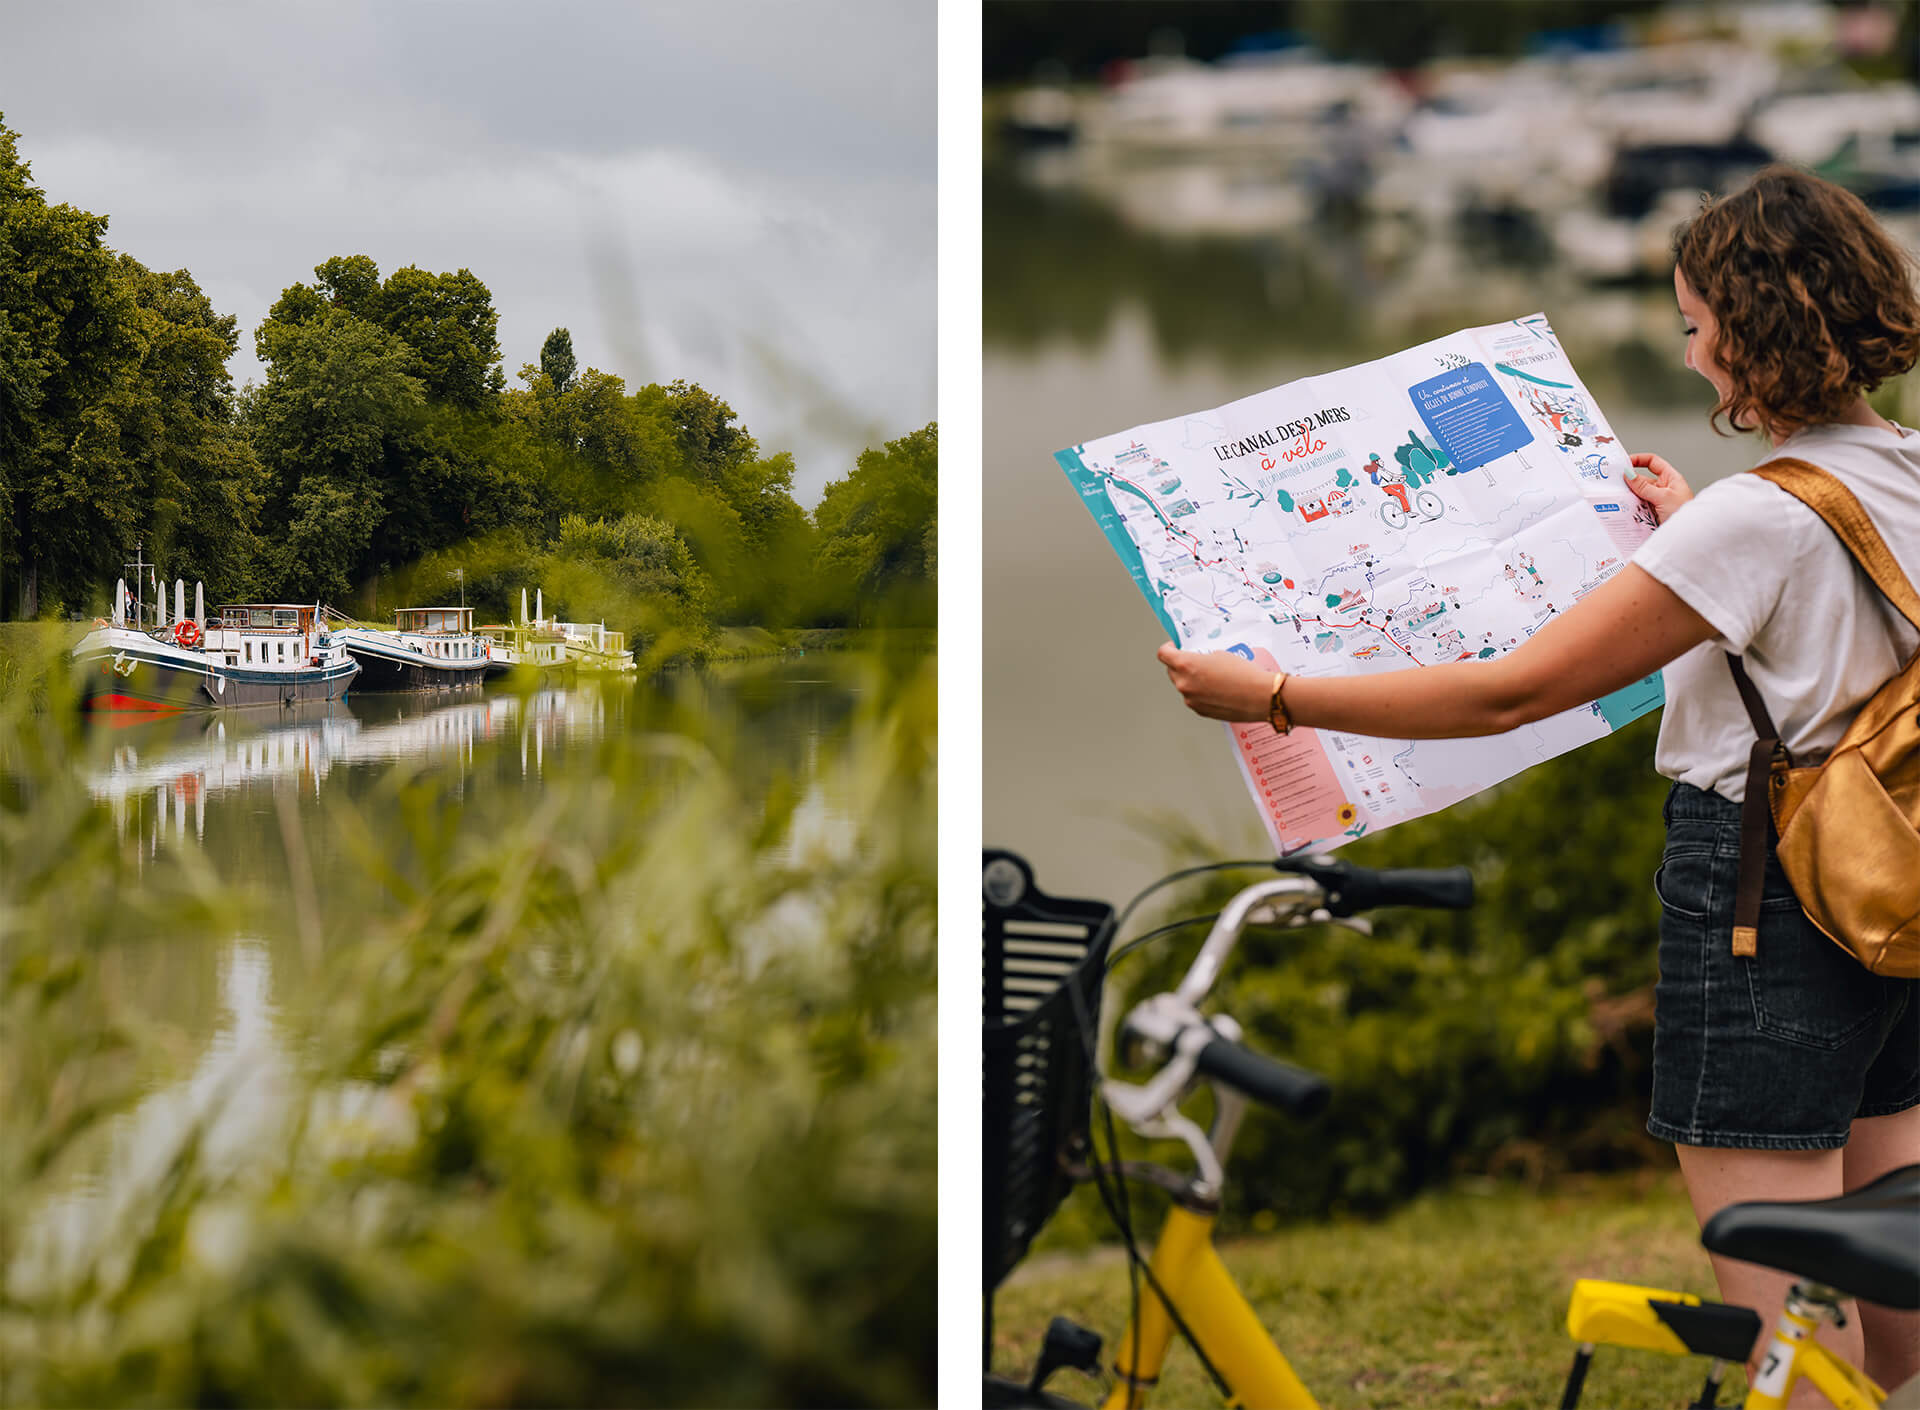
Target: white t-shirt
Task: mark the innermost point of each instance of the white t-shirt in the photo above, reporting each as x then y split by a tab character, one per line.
1782	591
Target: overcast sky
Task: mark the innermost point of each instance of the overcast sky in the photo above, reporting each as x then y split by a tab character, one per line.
737	192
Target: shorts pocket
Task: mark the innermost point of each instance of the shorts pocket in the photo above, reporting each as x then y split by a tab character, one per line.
1806	989
1684	883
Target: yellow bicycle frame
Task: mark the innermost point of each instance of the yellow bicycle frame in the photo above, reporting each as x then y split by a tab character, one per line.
1795	1356
1220	1318
1619	1314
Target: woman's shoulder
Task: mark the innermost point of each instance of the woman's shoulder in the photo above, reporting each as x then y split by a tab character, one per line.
1752	501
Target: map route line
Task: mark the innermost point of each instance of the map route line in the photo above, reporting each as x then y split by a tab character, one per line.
1191	542
1355	626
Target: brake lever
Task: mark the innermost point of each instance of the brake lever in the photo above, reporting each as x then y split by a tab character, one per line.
1272	915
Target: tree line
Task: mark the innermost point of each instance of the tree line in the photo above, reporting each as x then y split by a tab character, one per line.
385	449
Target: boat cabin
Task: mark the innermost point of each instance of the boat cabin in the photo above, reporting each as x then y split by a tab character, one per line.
268	616
276	635
456	620
447	632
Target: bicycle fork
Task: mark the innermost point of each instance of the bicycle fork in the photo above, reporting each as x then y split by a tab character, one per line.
1216	1312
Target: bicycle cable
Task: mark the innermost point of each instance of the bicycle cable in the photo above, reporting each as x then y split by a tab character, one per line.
1119	1208
1115	956
1276	863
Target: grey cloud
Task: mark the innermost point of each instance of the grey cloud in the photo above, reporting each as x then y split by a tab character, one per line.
737	193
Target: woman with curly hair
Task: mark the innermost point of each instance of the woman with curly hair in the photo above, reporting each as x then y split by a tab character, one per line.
1793	1072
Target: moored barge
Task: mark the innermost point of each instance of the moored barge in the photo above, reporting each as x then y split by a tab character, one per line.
428	648
250	654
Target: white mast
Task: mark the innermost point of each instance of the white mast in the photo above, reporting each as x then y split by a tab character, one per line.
523	607
120	602
179	599
539	605
159	599
200	605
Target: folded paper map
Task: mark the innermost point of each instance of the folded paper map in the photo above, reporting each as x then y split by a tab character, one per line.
1440	504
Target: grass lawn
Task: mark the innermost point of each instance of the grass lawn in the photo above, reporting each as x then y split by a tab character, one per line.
1458	1300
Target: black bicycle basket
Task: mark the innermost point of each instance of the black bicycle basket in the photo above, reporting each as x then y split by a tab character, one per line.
1046	959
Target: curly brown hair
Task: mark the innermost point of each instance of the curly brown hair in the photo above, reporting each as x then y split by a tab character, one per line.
1815	303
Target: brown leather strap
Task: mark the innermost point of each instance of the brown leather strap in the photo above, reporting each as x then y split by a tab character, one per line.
1753	814
1835	503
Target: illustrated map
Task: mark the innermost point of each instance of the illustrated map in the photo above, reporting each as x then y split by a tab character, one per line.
1440	504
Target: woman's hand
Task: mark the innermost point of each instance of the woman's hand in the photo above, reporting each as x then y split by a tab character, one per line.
1219	684
1661	486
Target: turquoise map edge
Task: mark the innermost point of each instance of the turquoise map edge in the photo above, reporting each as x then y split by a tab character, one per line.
1093	494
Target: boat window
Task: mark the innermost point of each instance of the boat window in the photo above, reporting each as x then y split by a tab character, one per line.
260	617
249	650
286	618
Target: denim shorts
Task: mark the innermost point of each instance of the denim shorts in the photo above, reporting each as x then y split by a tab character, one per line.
1780	1051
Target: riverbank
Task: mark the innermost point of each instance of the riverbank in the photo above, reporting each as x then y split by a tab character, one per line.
24	639
747	643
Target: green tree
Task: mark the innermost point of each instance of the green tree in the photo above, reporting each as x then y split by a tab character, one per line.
118	420
199	480
635	573
390	392
556	359
69	333
330	423
877	532
709	438
450	323
352	282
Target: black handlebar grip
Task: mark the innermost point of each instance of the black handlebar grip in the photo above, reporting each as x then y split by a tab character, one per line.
1277	1084
1351	888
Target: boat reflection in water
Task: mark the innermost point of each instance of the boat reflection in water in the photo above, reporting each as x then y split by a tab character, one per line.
173	767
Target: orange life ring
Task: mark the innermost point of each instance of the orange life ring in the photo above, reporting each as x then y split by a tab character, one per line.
186	632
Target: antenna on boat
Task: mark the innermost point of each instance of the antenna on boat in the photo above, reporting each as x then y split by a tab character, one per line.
140	567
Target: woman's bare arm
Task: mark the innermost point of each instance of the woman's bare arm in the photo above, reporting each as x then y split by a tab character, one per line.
1625	629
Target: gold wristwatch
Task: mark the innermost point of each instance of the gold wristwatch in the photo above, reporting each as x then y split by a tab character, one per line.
1276	707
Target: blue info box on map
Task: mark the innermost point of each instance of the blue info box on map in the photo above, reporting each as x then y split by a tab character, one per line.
1470	416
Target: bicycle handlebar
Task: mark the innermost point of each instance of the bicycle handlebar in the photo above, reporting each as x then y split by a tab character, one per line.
1292	1089
1350	888
1316	889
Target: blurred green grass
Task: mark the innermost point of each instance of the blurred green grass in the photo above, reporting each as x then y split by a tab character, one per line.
624	1099
1456	1301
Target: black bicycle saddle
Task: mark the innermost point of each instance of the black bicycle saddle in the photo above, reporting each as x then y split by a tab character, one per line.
1866	1243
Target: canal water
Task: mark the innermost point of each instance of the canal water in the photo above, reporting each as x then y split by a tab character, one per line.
1108	308
274	801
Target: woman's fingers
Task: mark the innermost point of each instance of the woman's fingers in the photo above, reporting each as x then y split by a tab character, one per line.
1219	685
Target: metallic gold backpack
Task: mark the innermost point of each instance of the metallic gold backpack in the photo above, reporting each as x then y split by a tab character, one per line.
1850	827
